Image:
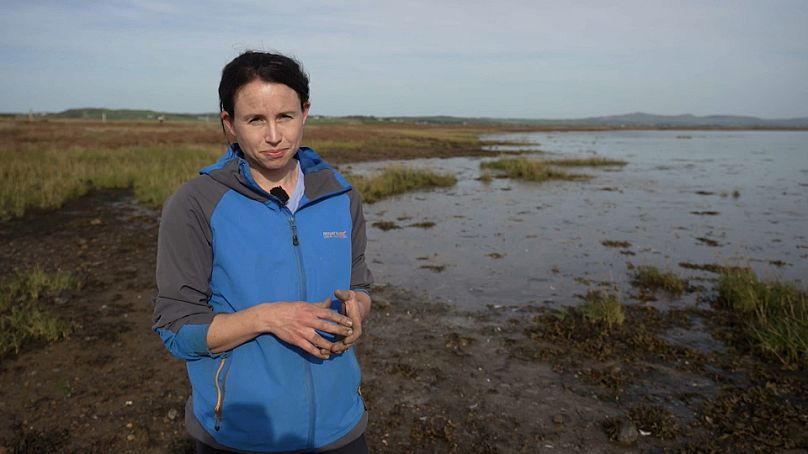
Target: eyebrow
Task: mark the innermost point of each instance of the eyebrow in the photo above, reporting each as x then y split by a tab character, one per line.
261	115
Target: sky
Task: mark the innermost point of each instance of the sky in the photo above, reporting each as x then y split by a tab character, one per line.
502	59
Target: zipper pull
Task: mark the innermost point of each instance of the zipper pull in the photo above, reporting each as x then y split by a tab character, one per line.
293	226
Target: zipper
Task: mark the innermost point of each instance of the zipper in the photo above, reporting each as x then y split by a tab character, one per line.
302	289
312	408
244	167
298	257
293	227
217	410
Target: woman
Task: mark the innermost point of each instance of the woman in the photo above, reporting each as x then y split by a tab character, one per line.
249	254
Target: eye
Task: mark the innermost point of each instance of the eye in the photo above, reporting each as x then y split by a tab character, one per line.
256	121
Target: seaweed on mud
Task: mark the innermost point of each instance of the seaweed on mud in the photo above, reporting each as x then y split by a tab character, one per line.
708	241
436	427
711	267
433	268
457	343
656	420
762	418
403	369
616	244
386	225
613	378
562	334
650	278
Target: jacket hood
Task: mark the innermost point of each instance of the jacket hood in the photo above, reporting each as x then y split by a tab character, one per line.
233	171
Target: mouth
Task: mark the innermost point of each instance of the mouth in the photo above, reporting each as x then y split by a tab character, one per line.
274	153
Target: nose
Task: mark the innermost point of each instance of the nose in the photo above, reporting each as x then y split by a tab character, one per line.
272	135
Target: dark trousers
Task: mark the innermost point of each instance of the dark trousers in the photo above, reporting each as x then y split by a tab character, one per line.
358	446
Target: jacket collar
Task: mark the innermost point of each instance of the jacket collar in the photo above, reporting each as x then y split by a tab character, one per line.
321	180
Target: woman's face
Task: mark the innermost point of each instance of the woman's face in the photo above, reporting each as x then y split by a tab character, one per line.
267	123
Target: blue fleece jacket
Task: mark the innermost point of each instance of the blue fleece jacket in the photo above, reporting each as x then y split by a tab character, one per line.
226	245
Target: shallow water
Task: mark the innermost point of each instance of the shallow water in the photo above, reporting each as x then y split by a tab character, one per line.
510	243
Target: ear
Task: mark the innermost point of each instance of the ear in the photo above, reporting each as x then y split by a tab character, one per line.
306	106
227	122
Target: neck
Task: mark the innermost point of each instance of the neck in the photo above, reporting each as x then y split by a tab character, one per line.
285	178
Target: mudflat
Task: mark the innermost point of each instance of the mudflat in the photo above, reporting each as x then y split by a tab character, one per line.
436	378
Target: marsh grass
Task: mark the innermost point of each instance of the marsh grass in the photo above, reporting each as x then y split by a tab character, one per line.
603	308
774	314
48	178
651	278
530	170
587	162
397	180
343	141
47	163
22	319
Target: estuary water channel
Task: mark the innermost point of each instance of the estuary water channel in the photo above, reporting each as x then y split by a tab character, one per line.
685	197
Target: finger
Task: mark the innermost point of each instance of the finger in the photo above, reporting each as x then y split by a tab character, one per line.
326	303
353	337
339	347
328	314
320	342
332	328
312	349
344	295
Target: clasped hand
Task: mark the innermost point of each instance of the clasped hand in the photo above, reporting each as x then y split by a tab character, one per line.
297	323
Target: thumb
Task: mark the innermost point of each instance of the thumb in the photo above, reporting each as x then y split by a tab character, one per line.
343	295
326	303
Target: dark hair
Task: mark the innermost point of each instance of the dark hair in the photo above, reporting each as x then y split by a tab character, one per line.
266	66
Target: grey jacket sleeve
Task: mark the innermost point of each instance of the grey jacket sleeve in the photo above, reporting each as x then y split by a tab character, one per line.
184	262
361	277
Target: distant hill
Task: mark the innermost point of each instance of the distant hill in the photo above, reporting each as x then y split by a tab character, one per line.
129	114
630	120
687	120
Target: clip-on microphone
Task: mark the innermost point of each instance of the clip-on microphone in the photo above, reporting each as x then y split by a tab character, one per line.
278	192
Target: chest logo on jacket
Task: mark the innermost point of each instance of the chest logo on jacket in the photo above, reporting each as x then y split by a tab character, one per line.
338	235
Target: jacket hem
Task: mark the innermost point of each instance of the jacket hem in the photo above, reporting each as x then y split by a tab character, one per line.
199	433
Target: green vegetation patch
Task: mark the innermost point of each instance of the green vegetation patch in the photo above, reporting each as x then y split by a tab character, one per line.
774	315
530	170
652	279
46	179
398	180
603	308
22	318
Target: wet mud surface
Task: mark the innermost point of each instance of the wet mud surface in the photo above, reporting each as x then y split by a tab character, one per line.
436	378
728	198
